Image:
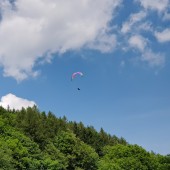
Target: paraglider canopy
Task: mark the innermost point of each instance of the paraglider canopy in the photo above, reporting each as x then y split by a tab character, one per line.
74	75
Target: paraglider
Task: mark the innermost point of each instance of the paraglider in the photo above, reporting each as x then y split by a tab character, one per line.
76	74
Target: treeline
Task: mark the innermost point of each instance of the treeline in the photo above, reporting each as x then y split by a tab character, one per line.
34	140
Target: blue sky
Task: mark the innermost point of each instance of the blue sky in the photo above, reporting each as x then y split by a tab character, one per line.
122	47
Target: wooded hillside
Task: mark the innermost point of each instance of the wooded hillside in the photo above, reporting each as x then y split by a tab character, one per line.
34	140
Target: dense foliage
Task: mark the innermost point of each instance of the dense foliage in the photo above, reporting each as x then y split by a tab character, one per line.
34	140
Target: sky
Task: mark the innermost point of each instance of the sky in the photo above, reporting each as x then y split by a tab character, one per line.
121	46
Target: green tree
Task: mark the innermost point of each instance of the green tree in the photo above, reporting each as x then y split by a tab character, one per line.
54	159
5	156
128	157
21	151
164	162
78	154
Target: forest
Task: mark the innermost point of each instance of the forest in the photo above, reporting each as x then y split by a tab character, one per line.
34	140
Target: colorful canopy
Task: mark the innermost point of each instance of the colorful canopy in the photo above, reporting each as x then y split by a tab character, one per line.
75	75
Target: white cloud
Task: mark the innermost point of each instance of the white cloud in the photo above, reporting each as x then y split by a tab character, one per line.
145	26
137	41
14	102
163	36
104	43
133	32
146	54
133	19
31	29
153	59
159	5
166	16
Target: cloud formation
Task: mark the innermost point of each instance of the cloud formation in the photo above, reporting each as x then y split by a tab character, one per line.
139	28
153	59
14	102
133	19
32	30
158	5
166	16
137	41
163	36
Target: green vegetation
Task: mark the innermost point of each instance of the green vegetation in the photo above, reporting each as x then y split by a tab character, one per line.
34	140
